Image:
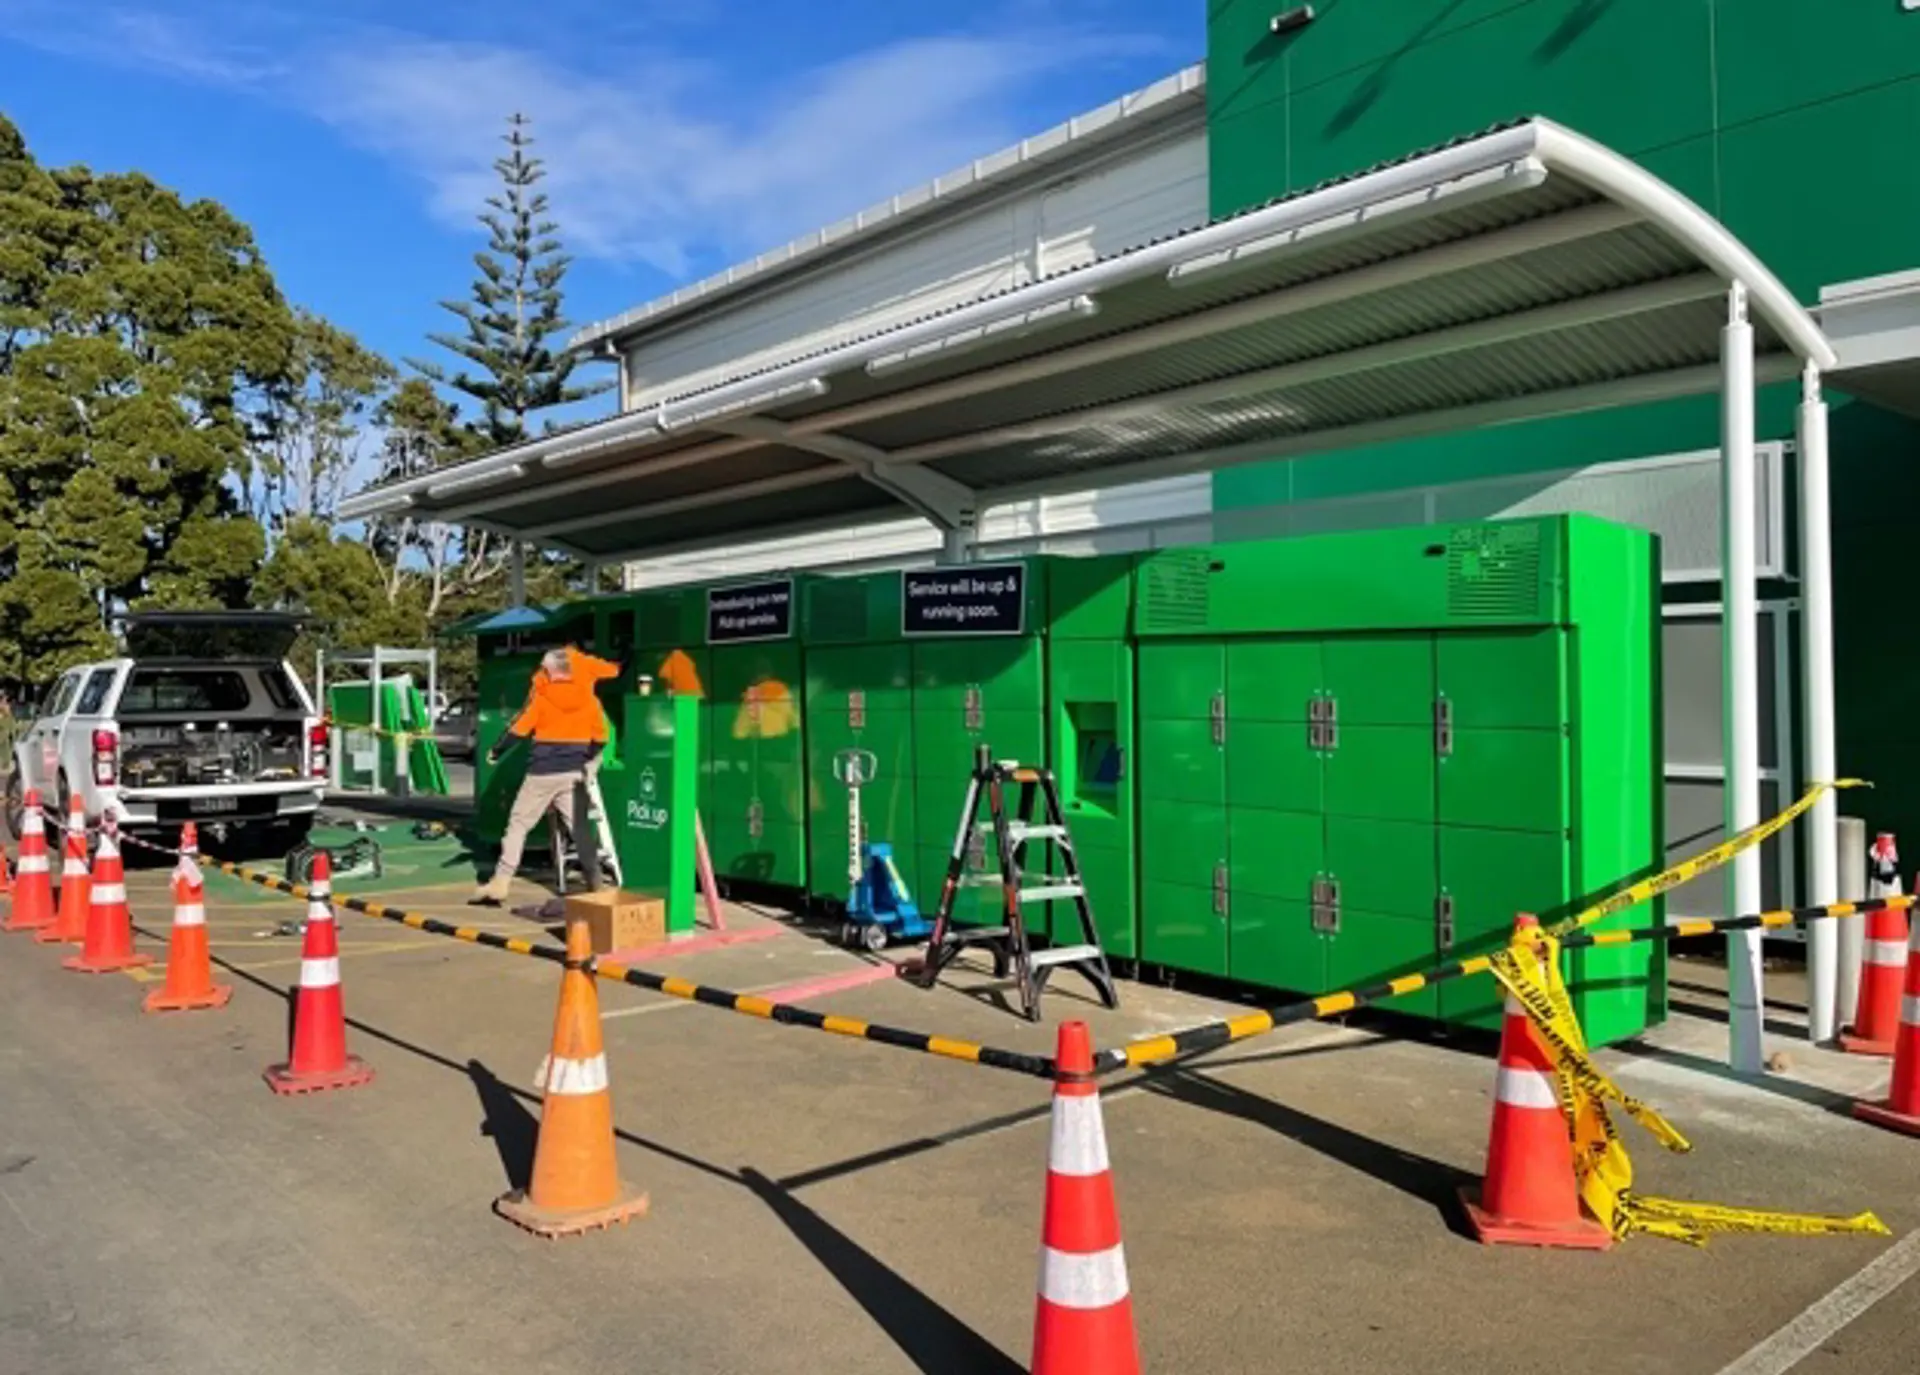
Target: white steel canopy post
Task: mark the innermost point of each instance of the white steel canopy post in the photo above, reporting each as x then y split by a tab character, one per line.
1740	677
517	574
1816	599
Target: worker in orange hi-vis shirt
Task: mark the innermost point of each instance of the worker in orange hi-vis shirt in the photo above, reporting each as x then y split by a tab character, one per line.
568	729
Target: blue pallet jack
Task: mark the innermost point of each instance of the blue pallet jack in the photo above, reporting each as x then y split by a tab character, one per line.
880	910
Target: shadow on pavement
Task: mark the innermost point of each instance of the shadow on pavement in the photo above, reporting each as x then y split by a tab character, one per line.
937	1342
513	1128
1828	1100
1419	1176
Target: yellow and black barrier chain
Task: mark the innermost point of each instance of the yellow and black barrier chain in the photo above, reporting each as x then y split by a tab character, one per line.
1038	1066
1759	921
1212	1035
1529	970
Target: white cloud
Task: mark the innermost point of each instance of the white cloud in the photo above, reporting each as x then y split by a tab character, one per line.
652	158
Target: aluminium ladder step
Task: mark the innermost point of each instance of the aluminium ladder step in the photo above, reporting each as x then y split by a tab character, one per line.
1019	831
1063	954
1046	892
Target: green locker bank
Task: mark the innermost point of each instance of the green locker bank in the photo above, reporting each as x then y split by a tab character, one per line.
1362	753
735	645
917	668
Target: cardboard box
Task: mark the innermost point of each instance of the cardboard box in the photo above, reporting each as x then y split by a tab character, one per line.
618	920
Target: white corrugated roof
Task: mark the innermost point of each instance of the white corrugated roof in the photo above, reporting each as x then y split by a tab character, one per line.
1076	139
1521	272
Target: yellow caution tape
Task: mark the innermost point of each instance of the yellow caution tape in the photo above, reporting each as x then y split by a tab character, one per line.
1529	969
1705	862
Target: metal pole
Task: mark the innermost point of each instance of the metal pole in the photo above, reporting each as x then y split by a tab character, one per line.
956	545
1740	676
516	574
1851	842
1816	601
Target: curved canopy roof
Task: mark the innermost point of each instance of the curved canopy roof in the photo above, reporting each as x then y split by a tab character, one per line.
1523	272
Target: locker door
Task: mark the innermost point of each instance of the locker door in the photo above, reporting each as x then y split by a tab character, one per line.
1488	876
1387	884
886	801
1380	760
1183	921
1506	764
1275	858
1182	696
1272	760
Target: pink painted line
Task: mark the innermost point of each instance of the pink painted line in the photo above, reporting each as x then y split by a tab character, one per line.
832	983
691	944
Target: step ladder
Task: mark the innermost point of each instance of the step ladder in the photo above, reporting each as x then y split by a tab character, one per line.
601	849
1012	951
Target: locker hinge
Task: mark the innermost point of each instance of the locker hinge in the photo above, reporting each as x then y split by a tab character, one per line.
1333	743
756	819
1443	920
1220	890
1326	906
1442	727
1217	717
1323	722
975	713
857	710
977	850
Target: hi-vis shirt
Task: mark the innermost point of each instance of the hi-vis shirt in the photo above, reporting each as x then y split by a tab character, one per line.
565	719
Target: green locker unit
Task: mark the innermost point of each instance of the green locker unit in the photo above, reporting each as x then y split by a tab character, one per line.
756	802
1362	753
1090	709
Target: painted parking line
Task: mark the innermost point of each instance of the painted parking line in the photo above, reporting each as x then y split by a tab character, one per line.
1811	1330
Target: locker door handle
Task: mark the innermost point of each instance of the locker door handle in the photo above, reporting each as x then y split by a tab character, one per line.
974	713
1442	727
856	710
1443	920
1217	717
1220	890
1325	907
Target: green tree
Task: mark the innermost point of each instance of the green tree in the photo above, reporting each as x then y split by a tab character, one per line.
336	580
516	305
141	341
311	424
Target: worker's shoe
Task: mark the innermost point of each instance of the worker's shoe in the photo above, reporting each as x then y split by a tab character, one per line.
491	893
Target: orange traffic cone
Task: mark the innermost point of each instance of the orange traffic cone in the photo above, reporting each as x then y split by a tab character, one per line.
576	1185
70	923
33	894
1900	1109
1083	1317
319	1059
109	940
1529	1196
1883	960
190	982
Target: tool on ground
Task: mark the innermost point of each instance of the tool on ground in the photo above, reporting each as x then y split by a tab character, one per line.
109	939
879	907
1083	1315
33	891
575	1186
1900	1109
319	1059
1883	959
591	824
189	986
357	858
70	921
1529	1196
1008	940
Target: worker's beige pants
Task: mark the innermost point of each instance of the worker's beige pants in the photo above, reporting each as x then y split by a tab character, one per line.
539	793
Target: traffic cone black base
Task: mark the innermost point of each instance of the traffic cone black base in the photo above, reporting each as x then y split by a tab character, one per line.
282	1080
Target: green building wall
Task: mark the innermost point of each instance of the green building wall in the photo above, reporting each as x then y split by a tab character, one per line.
1795	123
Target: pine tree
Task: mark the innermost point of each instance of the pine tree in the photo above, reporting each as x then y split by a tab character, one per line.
516	304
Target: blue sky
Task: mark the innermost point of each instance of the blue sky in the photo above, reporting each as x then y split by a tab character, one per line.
681	135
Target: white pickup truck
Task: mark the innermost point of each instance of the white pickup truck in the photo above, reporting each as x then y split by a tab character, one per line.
203	721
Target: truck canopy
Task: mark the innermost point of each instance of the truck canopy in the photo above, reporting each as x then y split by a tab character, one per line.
210	635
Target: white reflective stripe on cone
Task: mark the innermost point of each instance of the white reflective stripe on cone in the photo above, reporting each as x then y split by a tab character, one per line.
74	868
577	1076
104	893
190	914
1910	1009
1514	1009
320	973
1887	952
1079	1145
33	864
1095	1280
1519	1087
319	911
318	889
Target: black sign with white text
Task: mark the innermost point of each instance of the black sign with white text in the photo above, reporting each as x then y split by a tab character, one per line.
755	611
970	599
